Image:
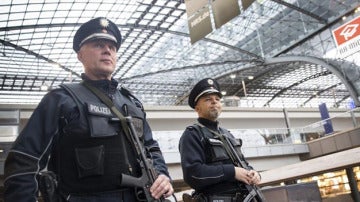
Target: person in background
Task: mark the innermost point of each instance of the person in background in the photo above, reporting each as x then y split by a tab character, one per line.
76	136
206	165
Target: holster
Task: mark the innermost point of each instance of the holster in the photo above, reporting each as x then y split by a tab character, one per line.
198	197
193	198
48	186
237	197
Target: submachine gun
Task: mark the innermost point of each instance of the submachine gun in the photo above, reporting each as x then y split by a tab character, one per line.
254	191
148	171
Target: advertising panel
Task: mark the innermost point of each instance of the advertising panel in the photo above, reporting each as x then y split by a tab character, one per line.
347	38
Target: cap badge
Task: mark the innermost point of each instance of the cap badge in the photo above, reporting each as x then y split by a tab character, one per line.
210	82
104	23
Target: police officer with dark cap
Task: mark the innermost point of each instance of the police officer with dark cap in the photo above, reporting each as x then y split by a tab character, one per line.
75	135
207	167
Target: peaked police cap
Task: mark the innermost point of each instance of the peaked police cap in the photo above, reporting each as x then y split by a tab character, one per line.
203	87
98	28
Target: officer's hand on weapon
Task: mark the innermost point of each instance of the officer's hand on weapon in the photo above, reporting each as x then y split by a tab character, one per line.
241	174
161	187
255	177
247	176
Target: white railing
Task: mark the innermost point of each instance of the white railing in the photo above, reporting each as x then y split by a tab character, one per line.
169	140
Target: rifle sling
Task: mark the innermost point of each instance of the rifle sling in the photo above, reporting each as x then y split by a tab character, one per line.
226	146
252	192
111	105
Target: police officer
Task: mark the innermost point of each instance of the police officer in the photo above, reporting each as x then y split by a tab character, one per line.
76	136
206	165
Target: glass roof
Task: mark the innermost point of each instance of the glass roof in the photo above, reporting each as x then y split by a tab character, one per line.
160	65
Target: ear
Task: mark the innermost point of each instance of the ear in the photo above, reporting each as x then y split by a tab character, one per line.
79	56
197	108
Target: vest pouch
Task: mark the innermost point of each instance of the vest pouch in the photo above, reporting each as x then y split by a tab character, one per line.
236	143
99	116
90	161
216	150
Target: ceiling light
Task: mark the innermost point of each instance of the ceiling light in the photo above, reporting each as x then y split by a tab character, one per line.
44	87
55	65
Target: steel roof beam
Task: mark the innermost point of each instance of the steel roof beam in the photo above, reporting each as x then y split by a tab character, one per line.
318	18
349	86
319	92
295	84
36	55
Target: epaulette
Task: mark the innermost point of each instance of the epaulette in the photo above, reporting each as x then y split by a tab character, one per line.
132	97
125	91
195	126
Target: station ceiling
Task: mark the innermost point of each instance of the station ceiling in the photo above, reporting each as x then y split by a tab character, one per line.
158	62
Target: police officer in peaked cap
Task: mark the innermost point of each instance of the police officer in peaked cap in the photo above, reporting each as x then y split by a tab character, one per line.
77	138
203	87
98	28
206	165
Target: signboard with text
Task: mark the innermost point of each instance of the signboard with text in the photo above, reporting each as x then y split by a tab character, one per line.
200	13
200	25
347	38
199	20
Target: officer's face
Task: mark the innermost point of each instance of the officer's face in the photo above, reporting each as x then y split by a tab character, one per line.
209	107
98	58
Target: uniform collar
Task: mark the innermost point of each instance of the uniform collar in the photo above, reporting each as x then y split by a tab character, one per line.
212	125
107	86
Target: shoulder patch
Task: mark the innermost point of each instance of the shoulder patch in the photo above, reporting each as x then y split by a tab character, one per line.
125	91
132	97
190	128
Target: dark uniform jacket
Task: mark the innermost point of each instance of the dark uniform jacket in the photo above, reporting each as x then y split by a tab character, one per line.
202	170
37	146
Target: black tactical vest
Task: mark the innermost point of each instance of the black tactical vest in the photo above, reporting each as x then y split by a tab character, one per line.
214	148
216	154
93	151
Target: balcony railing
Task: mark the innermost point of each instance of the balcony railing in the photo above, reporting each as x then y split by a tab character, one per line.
169	140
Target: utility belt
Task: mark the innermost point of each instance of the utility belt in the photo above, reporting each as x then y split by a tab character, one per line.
49	191
237	197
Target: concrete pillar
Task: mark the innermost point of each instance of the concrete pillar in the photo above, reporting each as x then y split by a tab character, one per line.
353	184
